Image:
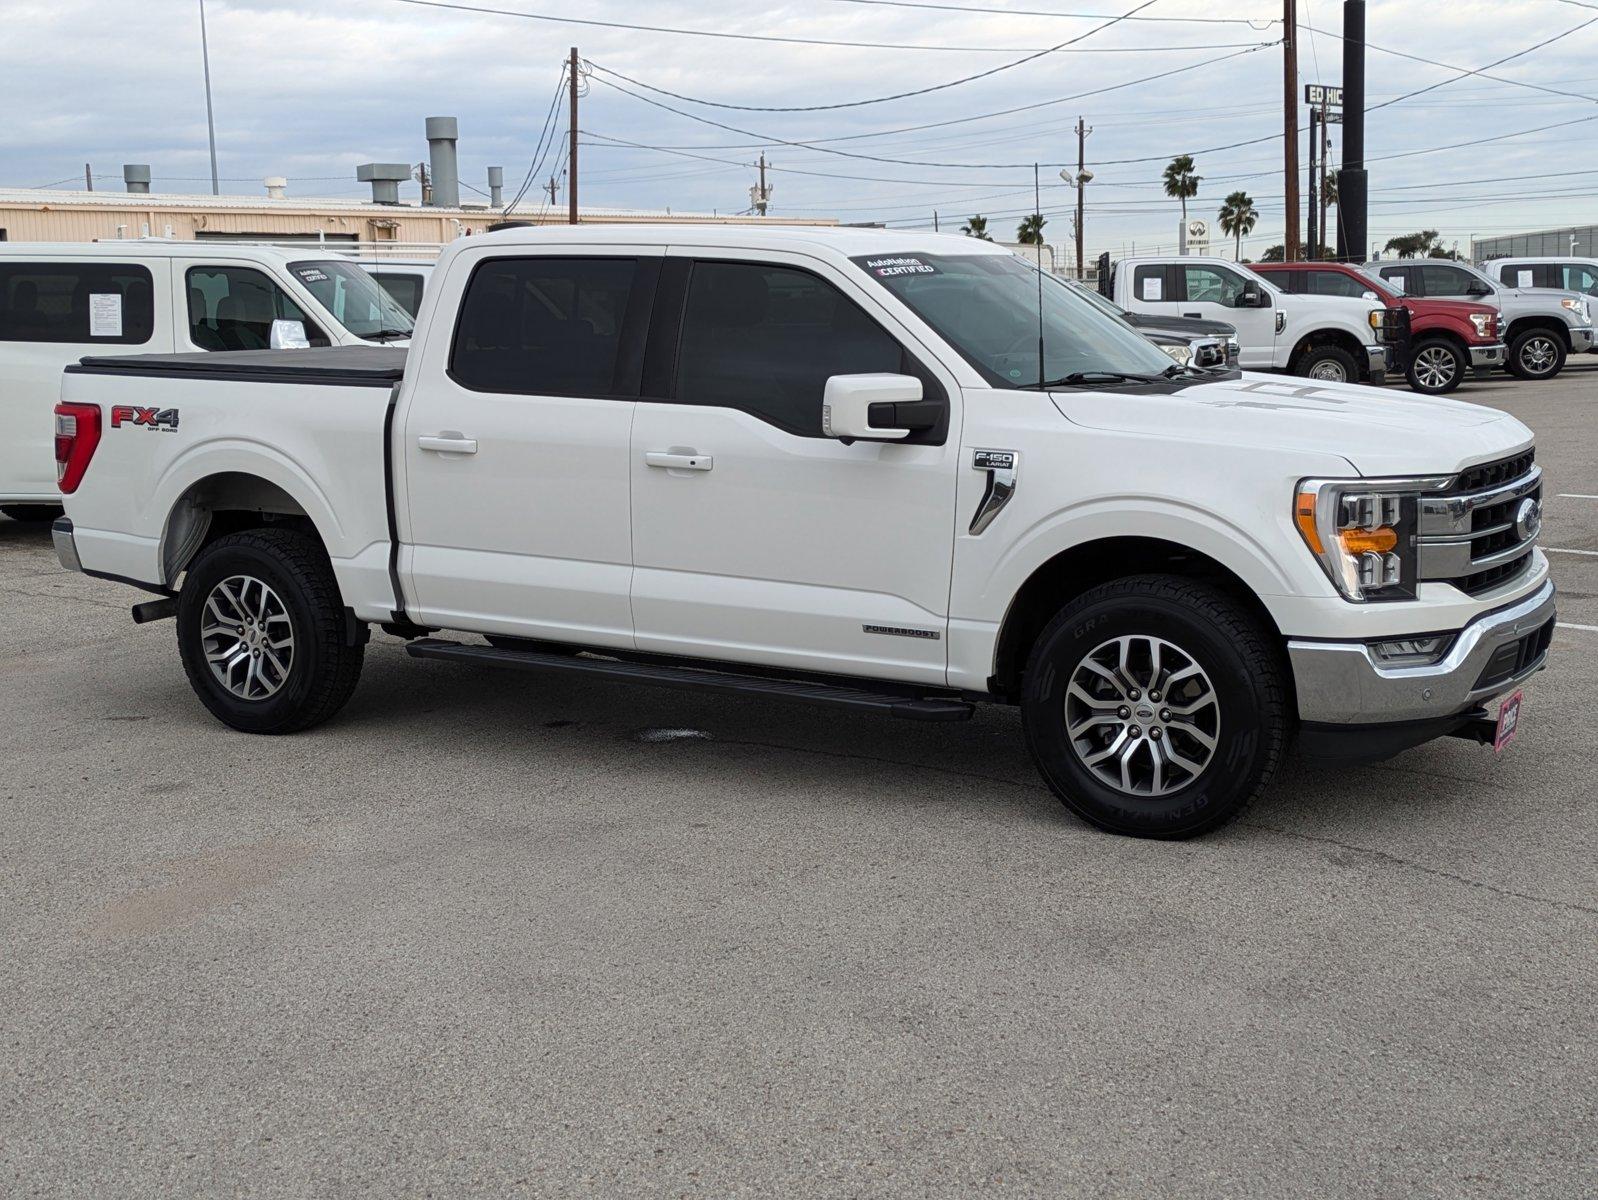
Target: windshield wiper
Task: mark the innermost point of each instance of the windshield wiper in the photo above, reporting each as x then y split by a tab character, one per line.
387	335
1089	378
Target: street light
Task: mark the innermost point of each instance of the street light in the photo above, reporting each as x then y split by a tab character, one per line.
1079	180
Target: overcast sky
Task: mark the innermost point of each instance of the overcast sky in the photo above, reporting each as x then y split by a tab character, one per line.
309	90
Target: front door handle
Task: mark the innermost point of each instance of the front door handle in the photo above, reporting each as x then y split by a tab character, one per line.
679	462
1200	316
448	443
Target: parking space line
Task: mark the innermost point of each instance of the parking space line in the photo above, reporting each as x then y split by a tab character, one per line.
1576	496
1583	628
1561	550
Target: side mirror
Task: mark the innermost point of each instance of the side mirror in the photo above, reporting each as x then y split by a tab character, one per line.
1253	297
289	335
1208	353
1369	296
874	407
1477	288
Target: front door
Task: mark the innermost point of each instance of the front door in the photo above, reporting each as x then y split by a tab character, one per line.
1212	292
515	446
757	539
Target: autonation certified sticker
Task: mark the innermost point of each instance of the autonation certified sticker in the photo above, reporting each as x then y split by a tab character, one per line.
887	268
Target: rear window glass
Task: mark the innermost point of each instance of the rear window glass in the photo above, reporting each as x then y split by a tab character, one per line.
110	304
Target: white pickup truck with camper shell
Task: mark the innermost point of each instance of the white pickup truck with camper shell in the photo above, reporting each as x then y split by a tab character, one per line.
827	465
1333	339
60	301
1540	327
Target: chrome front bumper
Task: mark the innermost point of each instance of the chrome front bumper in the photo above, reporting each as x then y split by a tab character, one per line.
1583	339
1376	357
66	548
1487	356
1342	683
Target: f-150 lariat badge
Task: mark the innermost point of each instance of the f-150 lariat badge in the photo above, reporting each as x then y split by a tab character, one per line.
1001	466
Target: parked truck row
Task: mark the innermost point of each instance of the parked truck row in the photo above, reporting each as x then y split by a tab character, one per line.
877	470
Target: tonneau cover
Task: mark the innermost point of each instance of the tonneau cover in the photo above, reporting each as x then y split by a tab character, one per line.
345	366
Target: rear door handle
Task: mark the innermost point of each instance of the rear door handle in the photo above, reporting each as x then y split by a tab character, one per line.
450	443
679	462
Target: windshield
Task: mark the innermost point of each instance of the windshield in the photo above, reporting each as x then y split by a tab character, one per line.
986	307
354	299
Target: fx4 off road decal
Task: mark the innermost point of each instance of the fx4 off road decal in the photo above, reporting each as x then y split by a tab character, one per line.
150	418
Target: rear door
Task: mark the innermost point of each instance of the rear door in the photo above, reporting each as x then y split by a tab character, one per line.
1212	291
514	438
755	538
53	312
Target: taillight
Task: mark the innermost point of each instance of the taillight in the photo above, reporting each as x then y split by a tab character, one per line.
77	433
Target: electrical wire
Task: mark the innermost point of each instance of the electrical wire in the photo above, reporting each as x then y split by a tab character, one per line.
1260	23
539	150
1497	62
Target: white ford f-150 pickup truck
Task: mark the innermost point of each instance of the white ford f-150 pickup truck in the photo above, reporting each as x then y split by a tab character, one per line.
1334	339
852	467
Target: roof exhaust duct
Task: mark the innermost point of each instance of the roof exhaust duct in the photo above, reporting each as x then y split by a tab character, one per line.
385	179
496	187
442	134
137	177
276	187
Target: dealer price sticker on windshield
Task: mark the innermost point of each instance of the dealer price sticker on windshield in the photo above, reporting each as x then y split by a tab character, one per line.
1508	722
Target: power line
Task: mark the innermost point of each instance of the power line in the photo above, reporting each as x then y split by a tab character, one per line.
925	91
1497	62
539	150
633	27
1260	23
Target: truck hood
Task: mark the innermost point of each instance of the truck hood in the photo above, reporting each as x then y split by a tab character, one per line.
1182	327
1379	432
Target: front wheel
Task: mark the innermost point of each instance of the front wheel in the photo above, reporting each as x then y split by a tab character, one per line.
1155	706
1536	354
1328	364
262	633
1436	367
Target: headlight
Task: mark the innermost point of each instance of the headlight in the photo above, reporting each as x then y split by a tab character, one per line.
1579	307
1182	354
1483	323
1362	533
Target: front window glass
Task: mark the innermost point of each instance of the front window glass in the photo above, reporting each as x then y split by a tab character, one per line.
232	308
1582	279
1335	283
986	307
355	301
1212	285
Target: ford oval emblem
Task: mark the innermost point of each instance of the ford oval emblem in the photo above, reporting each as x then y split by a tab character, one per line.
1528	519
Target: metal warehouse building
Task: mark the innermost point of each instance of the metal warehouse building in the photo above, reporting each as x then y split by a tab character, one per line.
1579	241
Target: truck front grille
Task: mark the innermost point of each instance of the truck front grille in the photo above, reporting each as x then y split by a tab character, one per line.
1471	534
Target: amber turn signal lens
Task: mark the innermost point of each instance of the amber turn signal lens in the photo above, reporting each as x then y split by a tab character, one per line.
1369	541
1304	515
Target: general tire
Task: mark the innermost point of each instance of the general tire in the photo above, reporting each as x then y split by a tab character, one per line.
1335	365
1536	354
1436	366
1241	663
323	669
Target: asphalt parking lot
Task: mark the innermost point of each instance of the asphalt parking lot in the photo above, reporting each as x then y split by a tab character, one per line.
485	934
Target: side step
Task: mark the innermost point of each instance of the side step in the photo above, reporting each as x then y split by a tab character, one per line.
909	707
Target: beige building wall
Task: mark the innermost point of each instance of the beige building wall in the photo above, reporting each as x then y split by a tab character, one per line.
91	216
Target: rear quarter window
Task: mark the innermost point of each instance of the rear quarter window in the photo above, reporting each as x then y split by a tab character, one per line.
100	304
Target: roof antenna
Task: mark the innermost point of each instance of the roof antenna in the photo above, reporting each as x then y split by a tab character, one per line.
1037	208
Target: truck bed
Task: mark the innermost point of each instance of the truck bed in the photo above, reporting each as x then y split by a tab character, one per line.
340	366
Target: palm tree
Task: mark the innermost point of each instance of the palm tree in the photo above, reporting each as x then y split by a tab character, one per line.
1030	231
1180	182
977	227
1417	245
1238	216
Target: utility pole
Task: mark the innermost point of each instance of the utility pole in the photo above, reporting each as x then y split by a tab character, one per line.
935	222
1352	184
427	188
88	178
551	187
571	179
1315	235
1318	196
1290	123
760	195
1082	177
210	120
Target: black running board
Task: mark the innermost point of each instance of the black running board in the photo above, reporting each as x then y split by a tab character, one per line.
908	707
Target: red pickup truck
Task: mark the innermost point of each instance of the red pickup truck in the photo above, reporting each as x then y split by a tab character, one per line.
1447	338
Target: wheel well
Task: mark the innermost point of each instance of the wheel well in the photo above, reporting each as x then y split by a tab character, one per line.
1071	572
1443	335
1526	324
1330	337
221	504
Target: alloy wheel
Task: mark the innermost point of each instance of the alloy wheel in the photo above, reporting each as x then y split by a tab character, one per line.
1142	715
1329	371
247	637
1538	355
1434	368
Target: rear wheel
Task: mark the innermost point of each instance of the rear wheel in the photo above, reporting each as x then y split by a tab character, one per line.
262	633
31	513
1155	706
1536	354
1436	366
1328	364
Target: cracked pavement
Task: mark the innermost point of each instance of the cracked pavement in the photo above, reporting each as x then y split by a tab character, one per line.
487	934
